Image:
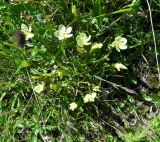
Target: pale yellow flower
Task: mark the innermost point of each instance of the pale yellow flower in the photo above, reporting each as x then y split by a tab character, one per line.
120	66
90	97
63	32
120	43
72	106
82	39
96	46
27	31
39	88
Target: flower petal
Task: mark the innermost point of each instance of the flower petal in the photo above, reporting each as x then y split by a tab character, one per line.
39	88
30	29
86	43
96	46
28	34
69	35
68	30
82	35
56	33
117	48
79	43
24	27
118	38
122	47
120	66
62	28
123	40
87	39
94	94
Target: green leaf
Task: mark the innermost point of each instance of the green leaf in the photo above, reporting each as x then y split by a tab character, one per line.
24	64
35	51
55	87
122	10
147	98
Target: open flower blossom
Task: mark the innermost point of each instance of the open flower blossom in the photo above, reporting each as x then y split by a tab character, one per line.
90	97
63	32
27	31
96	46
120	66
72	106
120	43
82	39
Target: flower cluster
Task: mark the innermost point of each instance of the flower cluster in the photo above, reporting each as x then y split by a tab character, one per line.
82	39
120	43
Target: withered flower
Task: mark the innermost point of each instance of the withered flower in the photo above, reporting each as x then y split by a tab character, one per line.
26	17
19	38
